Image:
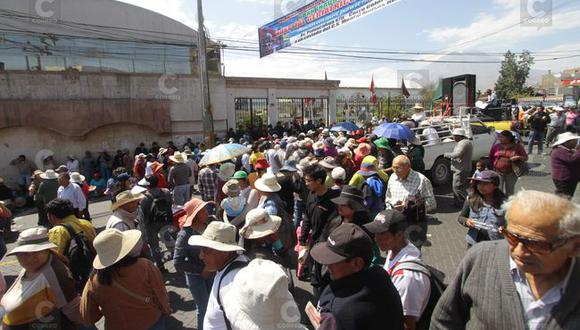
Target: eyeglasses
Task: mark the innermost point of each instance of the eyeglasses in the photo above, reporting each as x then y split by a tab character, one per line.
533	245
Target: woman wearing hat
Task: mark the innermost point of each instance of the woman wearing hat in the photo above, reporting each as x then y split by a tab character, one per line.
125	209
359	177
234	206
186	257
44	279
261	240
156	168
268	188
127	290
565	157
482	212
501	157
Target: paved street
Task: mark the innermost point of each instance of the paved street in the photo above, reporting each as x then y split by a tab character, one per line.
444	249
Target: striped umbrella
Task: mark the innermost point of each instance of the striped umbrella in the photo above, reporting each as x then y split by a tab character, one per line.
223	152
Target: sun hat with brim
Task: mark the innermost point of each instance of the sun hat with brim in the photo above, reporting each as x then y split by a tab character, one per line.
226	171
565	137
231	188
156	167
192	208
32	240
125	197
49	174
218	236
459	132
350	195
289	166
261	163
345	242
382	143
487	176
76	177
418	106
62	169
267	183
260	298
37	172
112	245
328	162
367	169
240	175
177	157
363	149
260	224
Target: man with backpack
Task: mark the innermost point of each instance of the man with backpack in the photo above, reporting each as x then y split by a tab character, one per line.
73	238
154	214
411	277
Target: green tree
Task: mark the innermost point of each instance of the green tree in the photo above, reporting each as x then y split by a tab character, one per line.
513	74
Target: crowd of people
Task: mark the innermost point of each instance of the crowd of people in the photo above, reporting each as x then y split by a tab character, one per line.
319	203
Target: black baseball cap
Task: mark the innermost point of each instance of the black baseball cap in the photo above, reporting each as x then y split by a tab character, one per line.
345	242
385	220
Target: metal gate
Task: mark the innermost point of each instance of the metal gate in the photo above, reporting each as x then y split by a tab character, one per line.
251	115
303	109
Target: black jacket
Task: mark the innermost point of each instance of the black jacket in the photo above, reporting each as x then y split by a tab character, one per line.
319	211
539	121
365	300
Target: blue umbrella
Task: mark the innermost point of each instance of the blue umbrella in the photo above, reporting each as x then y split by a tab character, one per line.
344	127
394	131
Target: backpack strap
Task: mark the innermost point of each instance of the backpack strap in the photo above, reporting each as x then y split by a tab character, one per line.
412	265
71	233
144	299
234	265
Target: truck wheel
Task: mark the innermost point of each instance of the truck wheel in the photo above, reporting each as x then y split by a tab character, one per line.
441	171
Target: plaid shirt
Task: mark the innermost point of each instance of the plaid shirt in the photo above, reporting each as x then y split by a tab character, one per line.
416	184
208	183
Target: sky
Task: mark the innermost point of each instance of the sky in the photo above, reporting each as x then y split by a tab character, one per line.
473	30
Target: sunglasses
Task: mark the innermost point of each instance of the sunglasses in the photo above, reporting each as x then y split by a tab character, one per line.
533	245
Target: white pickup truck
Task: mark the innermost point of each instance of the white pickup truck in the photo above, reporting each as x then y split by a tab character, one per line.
437	141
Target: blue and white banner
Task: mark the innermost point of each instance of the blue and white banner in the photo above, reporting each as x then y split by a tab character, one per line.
313	19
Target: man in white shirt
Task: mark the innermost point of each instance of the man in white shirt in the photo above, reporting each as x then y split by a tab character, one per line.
72	164
414	287
72	192
221	254
406	185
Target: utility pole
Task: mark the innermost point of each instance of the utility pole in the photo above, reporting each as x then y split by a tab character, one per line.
204	80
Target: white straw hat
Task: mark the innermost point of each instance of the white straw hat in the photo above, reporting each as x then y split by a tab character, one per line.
267	183
259	298
260	224
565	137
113	245
32	240
217	236
459	132
178	157
76	177
126	197
49	174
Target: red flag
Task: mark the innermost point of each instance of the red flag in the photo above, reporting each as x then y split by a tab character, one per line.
372	89
404	90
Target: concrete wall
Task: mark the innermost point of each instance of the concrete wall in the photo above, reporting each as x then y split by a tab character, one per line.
180	91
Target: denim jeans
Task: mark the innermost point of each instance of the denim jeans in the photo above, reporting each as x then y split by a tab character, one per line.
200	289
507	183
181	194
536	135
299	206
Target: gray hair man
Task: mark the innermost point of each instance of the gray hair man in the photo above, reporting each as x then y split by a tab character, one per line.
529	280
